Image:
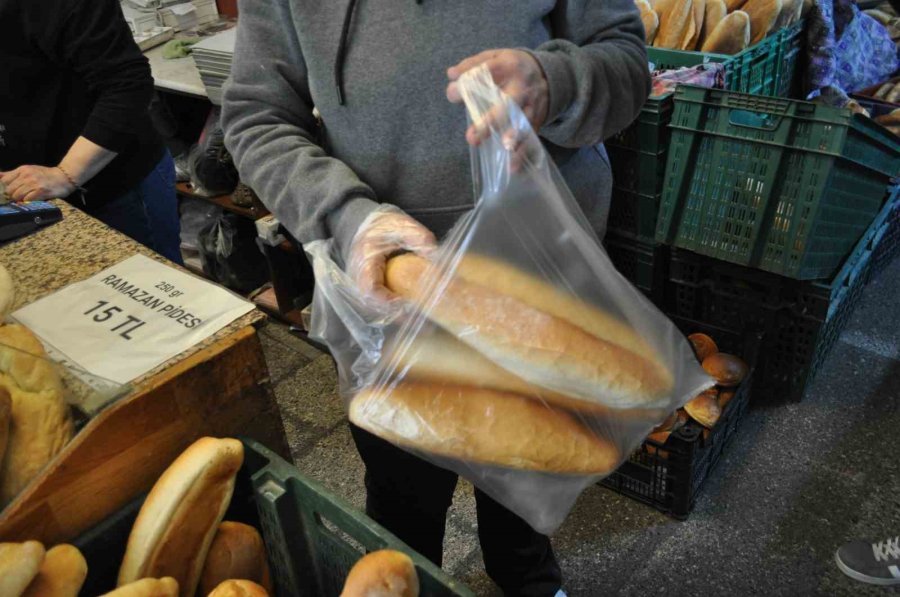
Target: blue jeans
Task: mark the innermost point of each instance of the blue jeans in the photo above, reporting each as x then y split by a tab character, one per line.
148	213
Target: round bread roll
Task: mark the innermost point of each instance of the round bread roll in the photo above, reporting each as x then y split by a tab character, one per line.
541	334
384	573
61	575
238	588
725	397
40	423
484	426
148	587
731	35
7	292
237	552
704	346
19	564
704	408
727	369
179	518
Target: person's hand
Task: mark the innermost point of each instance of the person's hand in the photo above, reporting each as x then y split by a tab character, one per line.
383	234
518	74
36	183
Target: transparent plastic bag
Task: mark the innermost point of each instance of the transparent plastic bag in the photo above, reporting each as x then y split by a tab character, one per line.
518	357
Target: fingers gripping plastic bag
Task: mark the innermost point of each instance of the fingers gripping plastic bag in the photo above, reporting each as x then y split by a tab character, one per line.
515	355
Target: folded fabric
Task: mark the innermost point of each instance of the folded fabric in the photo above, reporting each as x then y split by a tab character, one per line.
178	48
847	51
711	75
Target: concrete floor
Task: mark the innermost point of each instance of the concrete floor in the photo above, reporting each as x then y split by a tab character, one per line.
797	481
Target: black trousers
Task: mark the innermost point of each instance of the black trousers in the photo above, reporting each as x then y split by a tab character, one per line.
410	498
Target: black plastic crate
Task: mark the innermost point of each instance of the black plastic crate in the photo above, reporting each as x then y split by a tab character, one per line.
669	476
312	537
643	263
800	320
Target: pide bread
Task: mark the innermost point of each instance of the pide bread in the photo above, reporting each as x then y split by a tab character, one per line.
61	575
148	587
179	518
699	12
40	423
237	552
537	332
436	357
731	35
484	426
383	573
715	12
19	564
238	588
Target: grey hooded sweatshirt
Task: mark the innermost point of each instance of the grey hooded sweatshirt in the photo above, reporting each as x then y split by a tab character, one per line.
376	71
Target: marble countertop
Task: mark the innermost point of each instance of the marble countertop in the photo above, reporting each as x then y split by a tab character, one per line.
76	248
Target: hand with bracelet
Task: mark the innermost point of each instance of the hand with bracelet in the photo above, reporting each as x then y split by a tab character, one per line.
36	183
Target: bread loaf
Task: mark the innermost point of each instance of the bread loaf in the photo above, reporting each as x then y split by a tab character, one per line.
731	35
7	292
542	335
728	370
40	424
699	12
704	408
437	357
61	575
763	15
715	12
19	564
237	552
5	420
238	588
650	20
384	573
733	5
676	23
148	587
484	426
179	518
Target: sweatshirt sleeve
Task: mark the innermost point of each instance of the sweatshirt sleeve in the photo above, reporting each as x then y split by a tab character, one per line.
596	68
94	40
270	131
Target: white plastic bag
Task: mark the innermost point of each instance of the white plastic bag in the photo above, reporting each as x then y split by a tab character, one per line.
518	358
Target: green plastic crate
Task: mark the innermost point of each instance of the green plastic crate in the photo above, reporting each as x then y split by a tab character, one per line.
780	185
312	537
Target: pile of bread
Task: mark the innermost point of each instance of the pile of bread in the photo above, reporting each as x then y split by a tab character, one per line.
180	544
714	26
35	421
705	408
510	371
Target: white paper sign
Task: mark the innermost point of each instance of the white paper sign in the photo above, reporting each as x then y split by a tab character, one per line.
131	317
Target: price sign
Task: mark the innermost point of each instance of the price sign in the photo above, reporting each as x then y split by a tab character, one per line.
131	317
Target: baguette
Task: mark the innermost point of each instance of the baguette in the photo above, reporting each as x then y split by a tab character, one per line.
383	573
19	564
179	518
699	12
715	12
61	575
763	15
650	20
884	90
148	587
733	5
237	552
482	426
40	424
731	35
528	328
676	18
437	357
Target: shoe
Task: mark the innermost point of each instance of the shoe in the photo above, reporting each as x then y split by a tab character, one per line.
874	563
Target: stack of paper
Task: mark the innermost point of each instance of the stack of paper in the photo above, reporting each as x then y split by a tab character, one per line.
213	58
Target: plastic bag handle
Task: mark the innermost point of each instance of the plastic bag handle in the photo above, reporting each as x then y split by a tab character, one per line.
479	92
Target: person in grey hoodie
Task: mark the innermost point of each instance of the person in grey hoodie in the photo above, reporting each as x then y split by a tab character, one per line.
379	75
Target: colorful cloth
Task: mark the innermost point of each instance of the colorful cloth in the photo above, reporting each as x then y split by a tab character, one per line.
847	51
710	75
